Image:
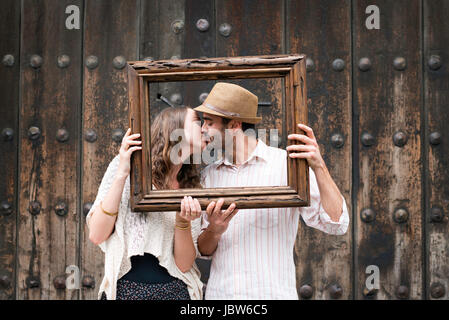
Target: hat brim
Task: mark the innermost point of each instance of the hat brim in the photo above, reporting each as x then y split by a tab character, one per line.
252	120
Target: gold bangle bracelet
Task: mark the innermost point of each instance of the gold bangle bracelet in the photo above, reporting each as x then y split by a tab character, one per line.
108	213
182	224
182	228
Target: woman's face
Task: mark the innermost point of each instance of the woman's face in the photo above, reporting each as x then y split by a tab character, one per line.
192	129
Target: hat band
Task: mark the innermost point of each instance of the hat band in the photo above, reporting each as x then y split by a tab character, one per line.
227	113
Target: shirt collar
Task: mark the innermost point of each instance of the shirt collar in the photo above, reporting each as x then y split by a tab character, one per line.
259	153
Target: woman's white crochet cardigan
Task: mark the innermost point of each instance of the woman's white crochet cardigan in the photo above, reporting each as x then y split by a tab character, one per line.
139	232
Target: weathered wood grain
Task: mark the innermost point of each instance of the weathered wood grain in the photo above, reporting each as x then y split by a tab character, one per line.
198	44
135	123
216	74
111	30
242	202
320	30
223	62
9	113
256	29
50	95
389	177
291	68
163	30
215	192
436	101
385	176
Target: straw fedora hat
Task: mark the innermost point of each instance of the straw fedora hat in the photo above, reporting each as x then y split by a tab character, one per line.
231	101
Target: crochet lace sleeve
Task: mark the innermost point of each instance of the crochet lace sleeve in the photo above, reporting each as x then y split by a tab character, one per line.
196	230
105	185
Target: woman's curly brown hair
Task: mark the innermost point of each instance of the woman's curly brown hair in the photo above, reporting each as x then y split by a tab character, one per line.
163	125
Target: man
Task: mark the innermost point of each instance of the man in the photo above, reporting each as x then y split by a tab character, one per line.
252	252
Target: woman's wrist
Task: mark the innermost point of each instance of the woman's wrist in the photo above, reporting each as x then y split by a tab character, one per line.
181	223
181	219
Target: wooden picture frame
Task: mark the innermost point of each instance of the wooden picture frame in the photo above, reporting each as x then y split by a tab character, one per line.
290	67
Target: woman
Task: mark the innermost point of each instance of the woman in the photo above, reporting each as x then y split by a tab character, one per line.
151	255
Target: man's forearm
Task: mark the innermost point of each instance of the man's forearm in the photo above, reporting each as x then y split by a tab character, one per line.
208	242
330	195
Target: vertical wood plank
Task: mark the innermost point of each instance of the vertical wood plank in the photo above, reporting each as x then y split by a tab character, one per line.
198	44
386	177
163	30
47	242
320	30
256	28
436	100
110	30
386	101
9	112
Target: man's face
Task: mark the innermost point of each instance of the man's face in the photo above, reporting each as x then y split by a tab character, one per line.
212	125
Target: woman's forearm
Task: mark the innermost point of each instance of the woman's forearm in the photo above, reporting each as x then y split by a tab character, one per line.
102	225
184	249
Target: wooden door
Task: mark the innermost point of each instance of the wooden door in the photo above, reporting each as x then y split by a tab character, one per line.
377	102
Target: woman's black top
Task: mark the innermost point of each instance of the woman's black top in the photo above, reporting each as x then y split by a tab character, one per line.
147	269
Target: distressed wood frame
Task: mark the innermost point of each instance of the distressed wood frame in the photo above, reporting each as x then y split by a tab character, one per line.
140	73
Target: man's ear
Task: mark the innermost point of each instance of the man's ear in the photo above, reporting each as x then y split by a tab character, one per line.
235	124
